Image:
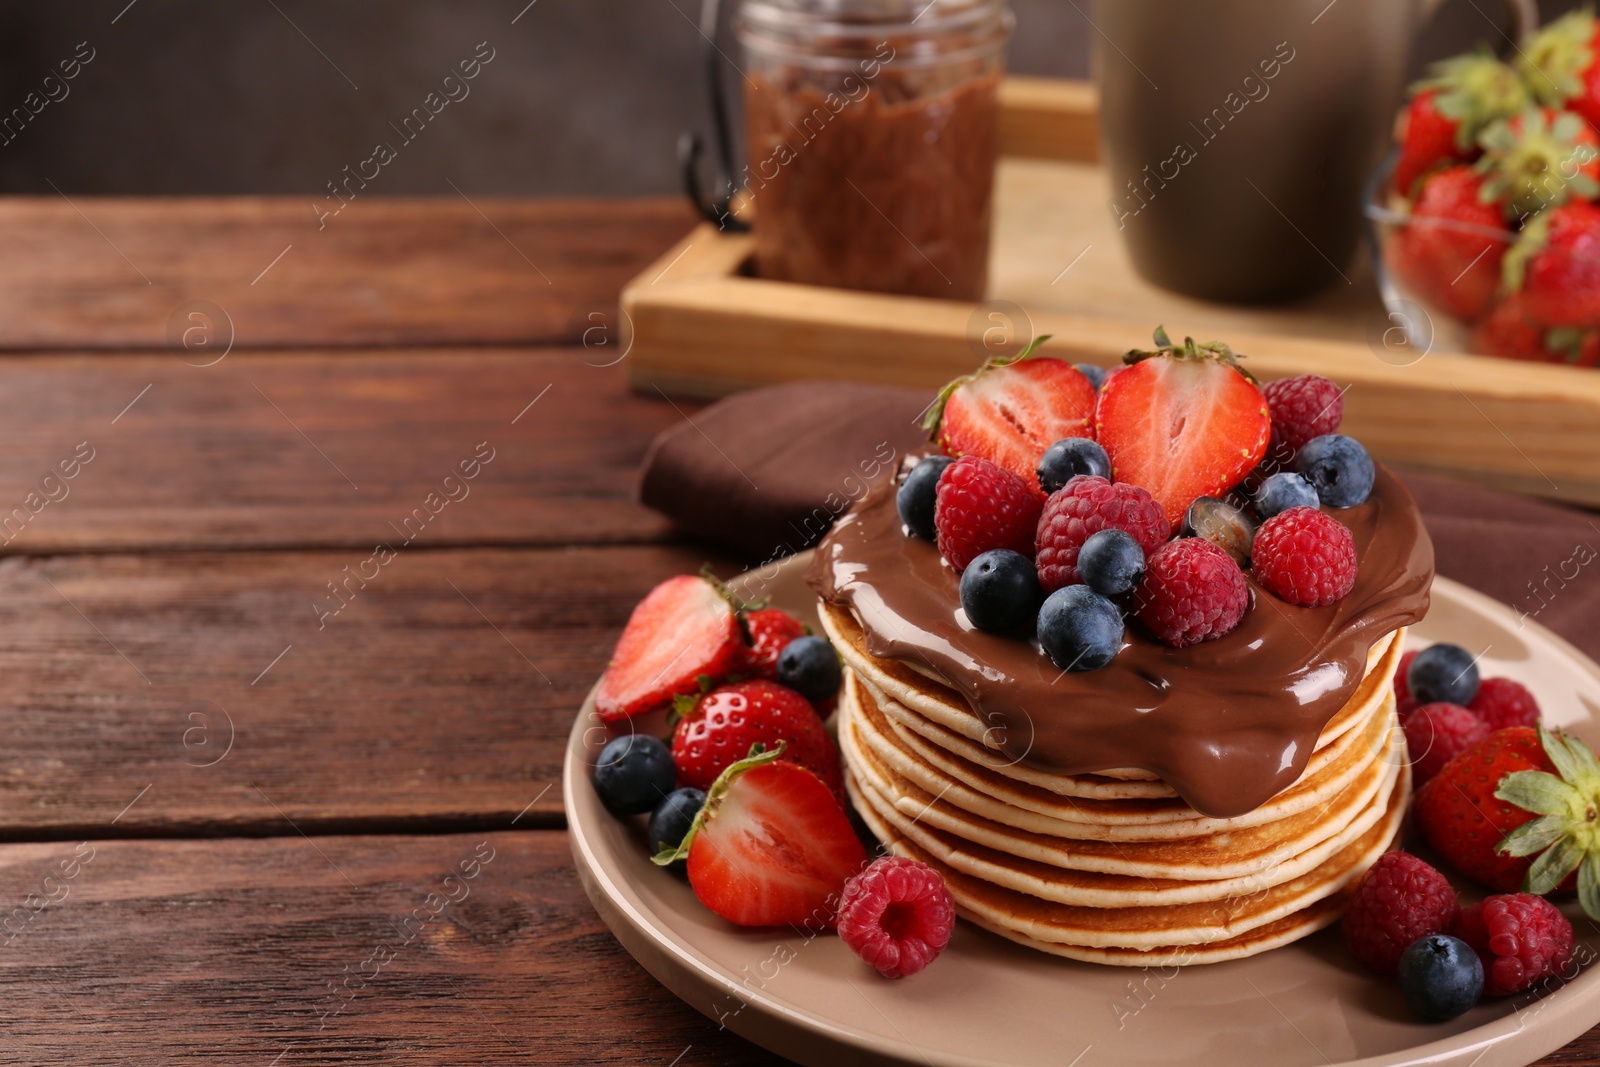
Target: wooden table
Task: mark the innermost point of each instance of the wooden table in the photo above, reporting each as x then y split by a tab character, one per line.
222	798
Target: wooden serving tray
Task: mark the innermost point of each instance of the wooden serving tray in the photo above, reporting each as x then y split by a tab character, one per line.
696	322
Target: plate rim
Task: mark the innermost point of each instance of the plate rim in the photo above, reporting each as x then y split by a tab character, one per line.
676	965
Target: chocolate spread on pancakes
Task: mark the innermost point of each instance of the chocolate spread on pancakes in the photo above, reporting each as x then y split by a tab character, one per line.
1228	723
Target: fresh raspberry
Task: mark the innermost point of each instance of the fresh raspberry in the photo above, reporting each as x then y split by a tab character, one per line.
1302	407
1405	703
1305	557
1192	591
1398	900
1521	939
897	915
1085	506
771	630
1437	733
1502	702
980	506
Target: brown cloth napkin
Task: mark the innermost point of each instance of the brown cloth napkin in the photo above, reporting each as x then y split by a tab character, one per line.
767	471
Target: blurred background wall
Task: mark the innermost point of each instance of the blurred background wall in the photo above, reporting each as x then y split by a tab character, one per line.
580	97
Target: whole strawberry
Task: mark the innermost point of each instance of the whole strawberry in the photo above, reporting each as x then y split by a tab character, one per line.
1479	812
1521	939
1193	591
1509	333
980	506
1560	64
1441	122
1182	422
1555	266
1563	839
1083	507
722	725
1013	409
771	630
1539	159
684	629
770	846
1450	252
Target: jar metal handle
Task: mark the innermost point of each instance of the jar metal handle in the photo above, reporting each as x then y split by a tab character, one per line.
717	207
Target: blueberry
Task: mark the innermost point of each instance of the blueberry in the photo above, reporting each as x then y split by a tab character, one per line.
672	818
1443	672
1070	457
1111	562
1283	491
1095	374
810	667
1223	525
1079	629
1440	977
633	773
1000	591
915	499
1338	468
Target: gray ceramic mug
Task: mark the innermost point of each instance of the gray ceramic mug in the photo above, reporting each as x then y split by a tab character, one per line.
1239	134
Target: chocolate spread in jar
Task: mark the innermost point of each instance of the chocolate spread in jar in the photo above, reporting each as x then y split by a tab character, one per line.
1228	723
882	187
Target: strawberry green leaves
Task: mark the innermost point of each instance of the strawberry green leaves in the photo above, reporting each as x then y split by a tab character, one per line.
759	755
935	414
1566	836
1212	350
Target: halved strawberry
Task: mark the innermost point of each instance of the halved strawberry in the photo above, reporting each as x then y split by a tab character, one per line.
1013	409
685	628
771	846
1182	422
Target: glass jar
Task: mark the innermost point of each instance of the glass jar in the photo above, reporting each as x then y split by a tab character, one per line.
870	134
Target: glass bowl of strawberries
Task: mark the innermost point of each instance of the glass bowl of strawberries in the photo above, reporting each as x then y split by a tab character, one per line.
1485	216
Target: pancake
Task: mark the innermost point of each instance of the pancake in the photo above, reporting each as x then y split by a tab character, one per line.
1232	927
1116	868
1113	874
1320	794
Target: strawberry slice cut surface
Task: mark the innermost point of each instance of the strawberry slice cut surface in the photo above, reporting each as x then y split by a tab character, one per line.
1013	409
1182	422
684	628
771	846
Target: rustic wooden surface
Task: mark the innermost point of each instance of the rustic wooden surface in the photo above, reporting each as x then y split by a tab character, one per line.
167	605
237	944
326	448
126	273
440	695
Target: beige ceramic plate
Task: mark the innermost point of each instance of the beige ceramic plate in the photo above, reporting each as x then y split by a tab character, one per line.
988	1001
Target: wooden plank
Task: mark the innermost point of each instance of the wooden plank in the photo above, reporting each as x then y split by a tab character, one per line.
125	273
217	693
1049	118
171	952
256	450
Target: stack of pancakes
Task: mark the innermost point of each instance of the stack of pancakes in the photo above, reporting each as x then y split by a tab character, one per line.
1115	867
